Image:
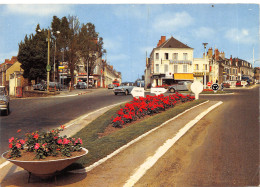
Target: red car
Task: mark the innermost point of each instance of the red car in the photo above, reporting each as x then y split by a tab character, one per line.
238	83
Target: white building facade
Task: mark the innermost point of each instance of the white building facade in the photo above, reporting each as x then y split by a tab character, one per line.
170	62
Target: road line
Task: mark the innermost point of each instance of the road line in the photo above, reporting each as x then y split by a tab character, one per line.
4	164
89	168
165	147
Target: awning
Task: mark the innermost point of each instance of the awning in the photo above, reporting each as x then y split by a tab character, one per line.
183	76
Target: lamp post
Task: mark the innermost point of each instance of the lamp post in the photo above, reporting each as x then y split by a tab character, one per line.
48	62
54	63
205	44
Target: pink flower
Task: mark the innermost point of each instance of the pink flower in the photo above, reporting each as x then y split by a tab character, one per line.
10	146
59	141
66	141
22	141
37	146
43	145
36	136
11	139
18	145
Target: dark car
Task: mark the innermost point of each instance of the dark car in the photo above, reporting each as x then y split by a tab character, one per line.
110	86
81	85
4	100
180	86
226	85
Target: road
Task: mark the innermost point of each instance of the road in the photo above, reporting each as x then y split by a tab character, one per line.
47	113
222	149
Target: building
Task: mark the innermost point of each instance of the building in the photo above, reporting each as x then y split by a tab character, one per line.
170	62
4	78
110	74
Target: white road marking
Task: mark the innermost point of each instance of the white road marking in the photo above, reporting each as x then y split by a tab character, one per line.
165	147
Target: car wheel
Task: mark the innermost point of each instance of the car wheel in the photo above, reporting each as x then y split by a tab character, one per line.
126	92
115	93
172	90
7	110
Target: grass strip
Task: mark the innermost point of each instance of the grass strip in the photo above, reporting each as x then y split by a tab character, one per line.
101	147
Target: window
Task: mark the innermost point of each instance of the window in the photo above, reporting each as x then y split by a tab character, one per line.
175	68
175	56
184	66
166	68
157	68
166	56
205	67
185	56
196	66
157	56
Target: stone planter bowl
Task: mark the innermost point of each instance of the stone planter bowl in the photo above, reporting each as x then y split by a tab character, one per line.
43	168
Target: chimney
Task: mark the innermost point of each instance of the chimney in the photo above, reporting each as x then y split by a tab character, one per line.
210	52
163	38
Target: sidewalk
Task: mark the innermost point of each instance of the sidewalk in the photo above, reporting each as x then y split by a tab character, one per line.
117	170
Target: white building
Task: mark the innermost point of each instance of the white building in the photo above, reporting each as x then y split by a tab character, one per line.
170	62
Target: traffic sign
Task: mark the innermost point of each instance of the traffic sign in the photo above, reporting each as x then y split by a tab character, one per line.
196	88
209	84
215	87
48	67
61	67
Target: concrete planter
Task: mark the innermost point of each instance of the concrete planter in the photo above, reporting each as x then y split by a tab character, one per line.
43	168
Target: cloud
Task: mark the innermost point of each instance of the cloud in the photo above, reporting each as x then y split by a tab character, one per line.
169	22
241	36
36	10
203	32
113	44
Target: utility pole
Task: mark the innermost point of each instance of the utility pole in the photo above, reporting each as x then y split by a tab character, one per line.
205	44
48	62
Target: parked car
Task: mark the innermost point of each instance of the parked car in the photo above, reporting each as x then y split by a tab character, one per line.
110	86
4	100
52	86
39	86
81	85
238	84
226	85
125	88
180	86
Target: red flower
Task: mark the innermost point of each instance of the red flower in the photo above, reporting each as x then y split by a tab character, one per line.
59	141
36	136
22	141
18	145
62	127
11	140
37	146
10	146
65	141
18	130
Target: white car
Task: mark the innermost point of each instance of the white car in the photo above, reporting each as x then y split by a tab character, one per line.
4	100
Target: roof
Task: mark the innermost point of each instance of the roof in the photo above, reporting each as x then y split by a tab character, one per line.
173	43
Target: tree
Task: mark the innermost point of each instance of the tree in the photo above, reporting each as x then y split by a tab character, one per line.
91	46
32	55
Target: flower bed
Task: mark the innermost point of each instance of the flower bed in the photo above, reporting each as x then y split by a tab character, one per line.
43	144
144	106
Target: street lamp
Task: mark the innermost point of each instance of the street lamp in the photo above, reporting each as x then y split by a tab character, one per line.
58	32
205	44
48	67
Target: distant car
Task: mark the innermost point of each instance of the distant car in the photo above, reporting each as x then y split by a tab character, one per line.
39	86
53	85
226	85
180	86
238	84
125	88
4	100
110	86
81	85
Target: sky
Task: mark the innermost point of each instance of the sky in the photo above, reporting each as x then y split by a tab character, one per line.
131	31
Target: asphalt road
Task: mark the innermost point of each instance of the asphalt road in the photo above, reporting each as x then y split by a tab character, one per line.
47	113
222	149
